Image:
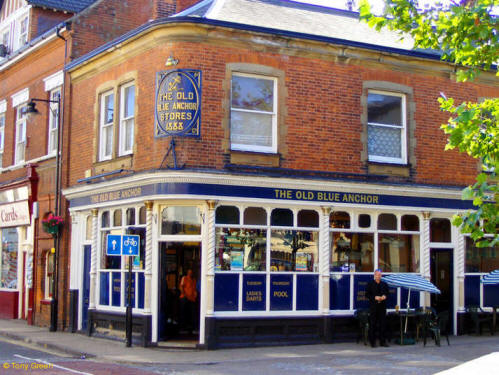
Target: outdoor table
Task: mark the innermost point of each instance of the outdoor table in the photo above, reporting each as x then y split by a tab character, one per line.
403	315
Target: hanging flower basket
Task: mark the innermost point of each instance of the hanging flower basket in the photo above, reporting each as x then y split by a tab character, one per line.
52	224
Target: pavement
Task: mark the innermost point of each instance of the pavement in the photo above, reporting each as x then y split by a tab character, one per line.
469	351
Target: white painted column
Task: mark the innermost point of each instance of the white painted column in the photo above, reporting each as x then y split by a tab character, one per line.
148	256
324	260
75	259
93	258
209	262
425	253
459	268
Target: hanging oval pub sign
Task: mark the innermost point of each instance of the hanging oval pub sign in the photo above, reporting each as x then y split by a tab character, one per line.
178	103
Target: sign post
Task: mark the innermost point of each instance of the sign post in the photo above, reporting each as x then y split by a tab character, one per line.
125	245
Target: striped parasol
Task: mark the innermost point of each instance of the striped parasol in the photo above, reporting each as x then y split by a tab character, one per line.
491	278
412	282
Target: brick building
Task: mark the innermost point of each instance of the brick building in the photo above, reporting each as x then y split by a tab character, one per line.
281	151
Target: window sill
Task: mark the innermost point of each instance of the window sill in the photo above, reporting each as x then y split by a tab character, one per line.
399	170
122	162
254	158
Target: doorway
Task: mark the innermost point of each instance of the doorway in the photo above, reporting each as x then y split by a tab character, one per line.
442	277
178	320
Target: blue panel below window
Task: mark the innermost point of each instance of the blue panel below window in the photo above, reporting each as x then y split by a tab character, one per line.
491	295
116	289
472	290
307	292
141	289
281	292
359	291
226	292
254	292
413	303
339	292
104	288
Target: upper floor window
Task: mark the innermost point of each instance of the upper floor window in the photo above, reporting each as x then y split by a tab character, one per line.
20	149
23	31
5	41
106	126
127	118
2	136
386	120
53	120
253	119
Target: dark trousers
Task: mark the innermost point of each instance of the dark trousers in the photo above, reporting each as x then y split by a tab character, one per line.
187	314
377	325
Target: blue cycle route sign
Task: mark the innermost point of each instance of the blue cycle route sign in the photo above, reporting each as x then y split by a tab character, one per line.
113	245
130	245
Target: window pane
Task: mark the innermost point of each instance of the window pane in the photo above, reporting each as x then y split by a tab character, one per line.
308	218
180	220
481	259
252	93
117	218
440	230
251	128
364	221
339	220
255	216
227	215
387	222
105	219
108	108
142	215
88	228
108	140
384	109
410	222
128	136
382	141
398	253
282	217
352	252
130	216
9	253
129	101
240	249
293	250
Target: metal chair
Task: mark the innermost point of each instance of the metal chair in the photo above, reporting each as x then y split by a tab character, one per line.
362	316
425	315
439	326
478	318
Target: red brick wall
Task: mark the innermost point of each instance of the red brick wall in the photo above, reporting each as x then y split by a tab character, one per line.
323	120
44	19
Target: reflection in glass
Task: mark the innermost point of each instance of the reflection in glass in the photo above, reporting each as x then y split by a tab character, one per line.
142	215
387	222
105	219
130	216
112	261
292	250
481	259
410	223
180	220
398	252
255	216
339	219
440	230
117	218
240	249
384	109
281	217
252	93
364	221
352	252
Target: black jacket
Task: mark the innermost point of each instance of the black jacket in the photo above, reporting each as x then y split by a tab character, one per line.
374	289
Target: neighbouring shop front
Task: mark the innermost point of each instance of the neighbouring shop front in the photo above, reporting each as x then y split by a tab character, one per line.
273	262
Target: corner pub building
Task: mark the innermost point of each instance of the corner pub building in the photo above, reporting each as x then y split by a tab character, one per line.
282	151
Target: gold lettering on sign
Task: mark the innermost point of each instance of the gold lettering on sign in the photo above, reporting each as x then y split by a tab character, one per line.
116	195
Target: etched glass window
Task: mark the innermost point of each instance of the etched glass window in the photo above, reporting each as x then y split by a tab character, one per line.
386	123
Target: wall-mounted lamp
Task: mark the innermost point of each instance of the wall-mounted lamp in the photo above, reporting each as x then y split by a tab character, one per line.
171	61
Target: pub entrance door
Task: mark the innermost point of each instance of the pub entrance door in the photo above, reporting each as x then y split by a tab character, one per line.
178	320
442	277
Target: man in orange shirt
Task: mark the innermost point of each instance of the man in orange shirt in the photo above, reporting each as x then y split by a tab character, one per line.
188	295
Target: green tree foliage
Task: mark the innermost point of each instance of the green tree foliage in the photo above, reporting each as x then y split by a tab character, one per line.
466	35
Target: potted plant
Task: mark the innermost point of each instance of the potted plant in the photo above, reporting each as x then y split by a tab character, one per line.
52	223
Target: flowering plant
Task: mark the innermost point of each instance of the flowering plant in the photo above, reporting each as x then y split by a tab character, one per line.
52	223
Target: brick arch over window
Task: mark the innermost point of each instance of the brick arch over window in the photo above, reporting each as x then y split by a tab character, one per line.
396	88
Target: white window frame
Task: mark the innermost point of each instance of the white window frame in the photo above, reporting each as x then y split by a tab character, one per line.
123	150
20	136
53	126
254	148
403	128
2	137
103	126
22	34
